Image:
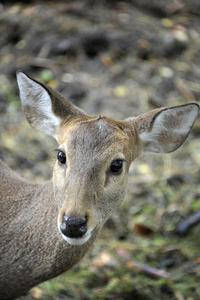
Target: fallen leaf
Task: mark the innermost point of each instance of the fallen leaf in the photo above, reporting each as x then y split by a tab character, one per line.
122	253
102	260
141	229
107	60
179	295
36	293
167	22
120	91
197	260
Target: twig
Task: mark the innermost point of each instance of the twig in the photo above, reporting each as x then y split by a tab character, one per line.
184	228
146	269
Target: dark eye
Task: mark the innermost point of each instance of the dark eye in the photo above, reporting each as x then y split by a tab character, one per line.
117	166
61	157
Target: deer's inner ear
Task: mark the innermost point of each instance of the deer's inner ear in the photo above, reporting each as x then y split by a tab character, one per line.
44	107
170	129
37	106
164	130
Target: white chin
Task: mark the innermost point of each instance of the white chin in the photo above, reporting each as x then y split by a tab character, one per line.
78	241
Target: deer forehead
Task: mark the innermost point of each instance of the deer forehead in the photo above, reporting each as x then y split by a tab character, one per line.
93	139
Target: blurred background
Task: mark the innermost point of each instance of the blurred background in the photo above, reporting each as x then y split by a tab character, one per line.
119	59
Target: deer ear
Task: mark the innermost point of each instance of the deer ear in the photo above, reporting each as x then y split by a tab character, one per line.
44	108
164	130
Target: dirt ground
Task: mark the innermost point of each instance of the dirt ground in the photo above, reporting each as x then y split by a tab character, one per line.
119	59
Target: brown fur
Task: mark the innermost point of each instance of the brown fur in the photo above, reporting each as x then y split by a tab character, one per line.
23	244
32	248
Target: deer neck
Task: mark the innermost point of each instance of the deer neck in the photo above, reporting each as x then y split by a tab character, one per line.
40	252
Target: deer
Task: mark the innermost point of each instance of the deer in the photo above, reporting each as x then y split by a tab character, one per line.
45	229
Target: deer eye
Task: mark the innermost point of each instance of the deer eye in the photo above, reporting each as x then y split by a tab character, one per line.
61	157
116	167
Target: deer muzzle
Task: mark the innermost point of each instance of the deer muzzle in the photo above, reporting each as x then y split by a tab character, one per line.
73	227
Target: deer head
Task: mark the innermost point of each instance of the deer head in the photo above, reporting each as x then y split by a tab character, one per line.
95	152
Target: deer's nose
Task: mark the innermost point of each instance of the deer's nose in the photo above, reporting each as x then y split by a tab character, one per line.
73	227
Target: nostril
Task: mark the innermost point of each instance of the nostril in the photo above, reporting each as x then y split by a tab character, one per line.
73	227
83	221
83	229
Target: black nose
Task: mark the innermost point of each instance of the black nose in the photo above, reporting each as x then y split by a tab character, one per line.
73	227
